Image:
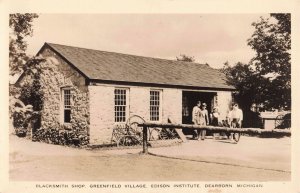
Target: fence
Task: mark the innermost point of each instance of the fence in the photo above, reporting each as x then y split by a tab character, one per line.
215	129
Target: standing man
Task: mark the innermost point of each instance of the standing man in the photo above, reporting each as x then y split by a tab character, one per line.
235	116
203	120
196	117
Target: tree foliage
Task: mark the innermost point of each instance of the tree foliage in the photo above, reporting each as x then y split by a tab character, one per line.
20	27
30	94
266	79
244	79
185	58
271	41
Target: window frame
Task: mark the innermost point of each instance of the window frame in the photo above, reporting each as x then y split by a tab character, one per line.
118	118
159	106
63	105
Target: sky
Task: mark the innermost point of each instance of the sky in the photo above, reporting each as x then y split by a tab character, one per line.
210	38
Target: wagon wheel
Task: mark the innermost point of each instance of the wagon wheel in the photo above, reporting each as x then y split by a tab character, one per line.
135	129
167	133
278	121
128	141
138	131
118	132
133	123
154	133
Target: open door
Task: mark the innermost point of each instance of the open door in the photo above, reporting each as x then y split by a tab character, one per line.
189	100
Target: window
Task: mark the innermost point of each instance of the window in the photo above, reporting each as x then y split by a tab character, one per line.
120	105
67	105
155	105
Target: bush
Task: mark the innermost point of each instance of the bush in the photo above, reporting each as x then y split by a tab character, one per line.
20	122
61	137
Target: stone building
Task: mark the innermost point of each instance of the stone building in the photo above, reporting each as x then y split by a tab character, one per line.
93	90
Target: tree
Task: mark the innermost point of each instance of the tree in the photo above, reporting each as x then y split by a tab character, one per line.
245	81
266	79
271	41
185	58
31	92
248	83
30	95
20	27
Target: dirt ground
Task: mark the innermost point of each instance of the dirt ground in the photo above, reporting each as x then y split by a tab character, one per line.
252	159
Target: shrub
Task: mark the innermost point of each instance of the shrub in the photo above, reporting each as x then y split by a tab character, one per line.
61	137
20	124
21	115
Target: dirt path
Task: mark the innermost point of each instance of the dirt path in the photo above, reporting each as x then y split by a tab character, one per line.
37	161
267	153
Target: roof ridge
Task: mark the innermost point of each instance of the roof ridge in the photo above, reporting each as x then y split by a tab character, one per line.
176	61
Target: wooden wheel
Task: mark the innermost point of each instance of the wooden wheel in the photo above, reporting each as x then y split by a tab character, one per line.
135	129
167	133
279	121
135	118
118	132
154	133
132	123
128	141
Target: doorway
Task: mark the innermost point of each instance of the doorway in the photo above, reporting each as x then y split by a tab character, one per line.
189	100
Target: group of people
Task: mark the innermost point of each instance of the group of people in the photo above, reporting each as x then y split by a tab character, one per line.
200	117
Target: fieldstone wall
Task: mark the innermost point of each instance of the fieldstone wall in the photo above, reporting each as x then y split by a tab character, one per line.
55	76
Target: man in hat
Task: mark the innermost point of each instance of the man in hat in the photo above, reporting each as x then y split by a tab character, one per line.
196	117
203	120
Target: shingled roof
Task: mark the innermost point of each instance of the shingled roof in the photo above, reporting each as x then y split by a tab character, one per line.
99	65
